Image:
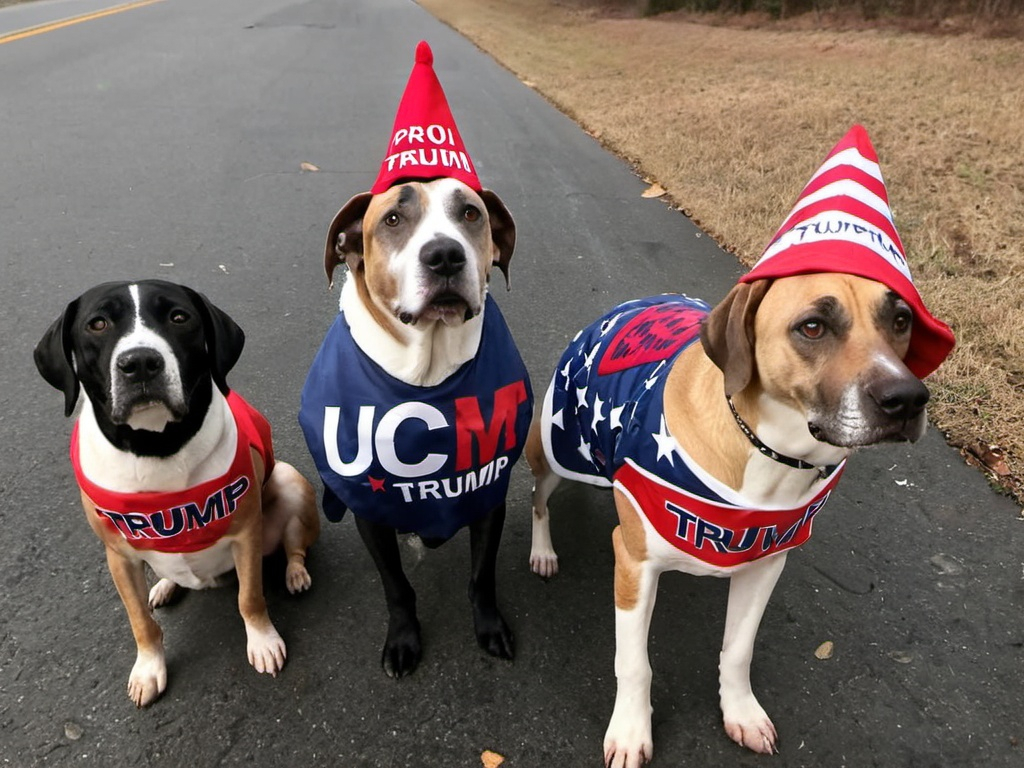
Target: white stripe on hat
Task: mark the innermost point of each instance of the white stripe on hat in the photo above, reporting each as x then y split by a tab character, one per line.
850	156
839	225
847	188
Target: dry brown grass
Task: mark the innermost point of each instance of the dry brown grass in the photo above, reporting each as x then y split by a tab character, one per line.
733	121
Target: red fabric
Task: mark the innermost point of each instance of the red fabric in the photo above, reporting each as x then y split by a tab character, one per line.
858	246
718	534
176	521
425	142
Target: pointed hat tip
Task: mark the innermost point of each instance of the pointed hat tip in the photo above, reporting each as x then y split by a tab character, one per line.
423	54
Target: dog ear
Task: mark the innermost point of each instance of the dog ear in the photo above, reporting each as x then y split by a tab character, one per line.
54	358
345	236
727	334
503	232
224	338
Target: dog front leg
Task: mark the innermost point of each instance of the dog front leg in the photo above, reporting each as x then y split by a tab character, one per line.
264	647
543	559
628	742
402	647
492	633
749	589
148	677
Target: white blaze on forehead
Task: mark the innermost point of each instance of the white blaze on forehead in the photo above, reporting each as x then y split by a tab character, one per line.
142	336
412	276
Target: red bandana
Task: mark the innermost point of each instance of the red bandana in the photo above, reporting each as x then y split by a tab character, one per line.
842	223
425	143
195	518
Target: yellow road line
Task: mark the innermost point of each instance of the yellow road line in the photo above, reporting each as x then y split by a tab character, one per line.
21	34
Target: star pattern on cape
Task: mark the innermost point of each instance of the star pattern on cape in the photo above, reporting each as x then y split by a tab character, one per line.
377	485
665	442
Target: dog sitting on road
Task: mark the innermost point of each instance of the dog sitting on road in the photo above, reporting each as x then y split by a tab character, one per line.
175	470
720	453
418	403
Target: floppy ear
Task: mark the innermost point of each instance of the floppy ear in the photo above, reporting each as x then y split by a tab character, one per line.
503	232
727	334
54	360
345	236
224	339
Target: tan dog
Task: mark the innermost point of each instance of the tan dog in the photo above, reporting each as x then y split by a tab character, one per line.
176	471
814	368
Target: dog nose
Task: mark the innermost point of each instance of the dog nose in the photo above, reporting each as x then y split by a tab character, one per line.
140	365
902	398
443	256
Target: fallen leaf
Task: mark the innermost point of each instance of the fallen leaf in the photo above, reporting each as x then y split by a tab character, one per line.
491	759
825	650
901	657
655	190
309	167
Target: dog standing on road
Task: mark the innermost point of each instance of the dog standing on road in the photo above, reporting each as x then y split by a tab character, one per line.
418	403
720	453
175	470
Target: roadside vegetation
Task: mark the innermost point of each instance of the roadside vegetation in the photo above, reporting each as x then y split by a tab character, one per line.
731	112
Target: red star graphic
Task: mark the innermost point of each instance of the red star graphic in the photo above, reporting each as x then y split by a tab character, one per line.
375	484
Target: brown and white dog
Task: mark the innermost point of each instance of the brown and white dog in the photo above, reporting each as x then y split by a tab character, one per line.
417	334
175	470
814	367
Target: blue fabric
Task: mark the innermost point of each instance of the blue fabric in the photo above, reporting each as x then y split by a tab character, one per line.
605	402
425	460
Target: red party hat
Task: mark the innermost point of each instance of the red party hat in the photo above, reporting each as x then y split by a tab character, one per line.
842	223
425	143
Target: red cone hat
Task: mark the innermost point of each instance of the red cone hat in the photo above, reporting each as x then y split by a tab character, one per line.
425	143
842	223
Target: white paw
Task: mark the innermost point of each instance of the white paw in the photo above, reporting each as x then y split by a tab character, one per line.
148	678
628	742
161	593
544	562
266	650
749	725
297	578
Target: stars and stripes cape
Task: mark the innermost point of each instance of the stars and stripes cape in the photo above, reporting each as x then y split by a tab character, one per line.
192	519
424	460
603	423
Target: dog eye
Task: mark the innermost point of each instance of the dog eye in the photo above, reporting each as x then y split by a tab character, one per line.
392	219
471	214
178	317
812	329
902	322
97	324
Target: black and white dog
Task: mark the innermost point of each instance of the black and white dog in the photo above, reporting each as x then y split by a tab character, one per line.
176	471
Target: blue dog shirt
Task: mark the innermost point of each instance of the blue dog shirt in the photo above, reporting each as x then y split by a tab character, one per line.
424	460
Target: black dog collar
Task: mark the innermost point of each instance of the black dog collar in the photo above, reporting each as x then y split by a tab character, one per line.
782	458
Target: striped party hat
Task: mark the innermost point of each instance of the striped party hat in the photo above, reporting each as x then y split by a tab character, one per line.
842	223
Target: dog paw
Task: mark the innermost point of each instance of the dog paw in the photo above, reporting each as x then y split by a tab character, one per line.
544	563
402	649
266	650
749	726
495	637
148	678
162	593
627	742
297	578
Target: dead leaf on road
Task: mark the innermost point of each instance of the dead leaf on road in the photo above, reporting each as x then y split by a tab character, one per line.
491	759
825	650
309	167
655	190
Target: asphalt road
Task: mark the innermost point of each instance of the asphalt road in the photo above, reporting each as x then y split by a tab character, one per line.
166	141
